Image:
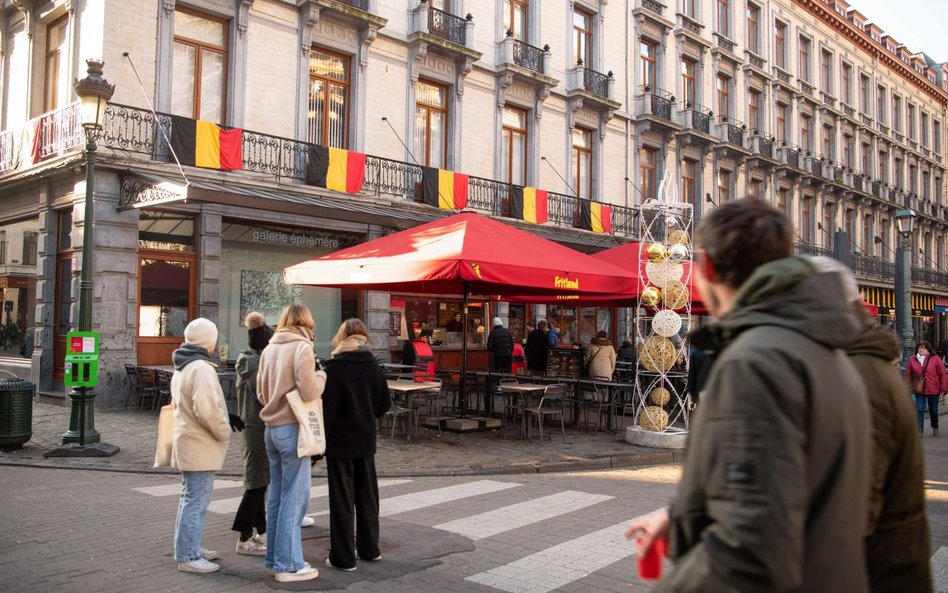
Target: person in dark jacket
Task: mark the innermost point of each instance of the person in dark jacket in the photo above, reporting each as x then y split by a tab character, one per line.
774	494
626	352
356	395
500	343
934	386
699	366
897	541
538	349
251	517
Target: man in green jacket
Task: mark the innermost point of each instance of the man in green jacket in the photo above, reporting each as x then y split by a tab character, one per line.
774	490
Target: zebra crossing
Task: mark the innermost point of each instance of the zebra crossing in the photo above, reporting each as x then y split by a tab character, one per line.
483	509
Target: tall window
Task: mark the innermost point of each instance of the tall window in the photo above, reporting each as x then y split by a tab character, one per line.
648	158
582	161
724	99
515	18
880	104
828	134
56	93
3	247
804	66
899	171
936	136
689	187
690	8
29	248
864	93
783	200
724	186
806	220
866	165
866	233
806	133
431	124
846	91
582	37
688	82
513	150
924	130
723	17
897	113
926	185
883	166
780	45
756	189
913	180
753	110
753	28
199	75
327	119
911	121
828	224
826	72
783	131
647	72
848	147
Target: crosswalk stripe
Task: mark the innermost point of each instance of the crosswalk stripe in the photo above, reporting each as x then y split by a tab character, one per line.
939	567
426	498
227	506
561	564
169	489
521	514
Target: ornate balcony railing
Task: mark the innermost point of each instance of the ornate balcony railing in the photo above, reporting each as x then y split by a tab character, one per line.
876	268
828	99
528	56
866	120
725	43
689	24
791	156
446	26
755	60
805	248
929	277
765	146
877	189
60	131
849	111
660	102
806	87
782	75
697	118
898	136
734	130
656	7
596	82
7	157
815	167
839	174
360	4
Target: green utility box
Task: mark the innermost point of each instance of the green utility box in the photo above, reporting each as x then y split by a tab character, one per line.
82	359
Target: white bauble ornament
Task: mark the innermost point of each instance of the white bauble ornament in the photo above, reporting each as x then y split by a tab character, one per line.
666	323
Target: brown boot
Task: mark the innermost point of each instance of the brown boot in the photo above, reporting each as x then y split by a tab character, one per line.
934	432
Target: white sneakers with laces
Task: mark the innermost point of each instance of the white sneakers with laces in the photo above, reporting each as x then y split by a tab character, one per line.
251	547
307	573
201	565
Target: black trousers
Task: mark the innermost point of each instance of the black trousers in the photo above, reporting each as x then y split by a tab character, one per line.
353	486
503	362
251	514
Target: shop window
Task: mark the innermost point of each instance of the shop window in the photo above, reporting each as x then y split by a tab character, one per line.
17	294
63	297
165	298
327	120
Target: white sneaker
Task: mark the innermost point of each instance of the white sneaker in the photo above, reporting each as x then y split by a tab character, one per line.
251	548
307	573
200	565
330	565
209	554
260	538
307	521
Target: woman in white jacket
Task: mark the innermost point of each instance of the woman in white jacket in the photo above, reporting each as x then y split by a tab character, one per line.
201	433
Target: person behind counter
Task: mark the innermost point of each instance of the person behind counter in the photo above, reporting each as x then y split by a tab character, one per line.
455	325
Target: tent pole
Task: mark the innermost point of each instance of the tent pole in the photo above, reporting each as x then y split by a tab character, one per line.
462	387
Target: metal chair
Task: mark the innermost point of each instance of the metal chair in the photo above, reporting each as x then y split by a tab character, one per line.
551	404
596	396
163	385
428	400
145	385
397	413
132	377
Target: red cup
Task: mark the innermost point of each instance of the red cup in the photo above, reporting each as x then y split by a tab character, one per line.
650	564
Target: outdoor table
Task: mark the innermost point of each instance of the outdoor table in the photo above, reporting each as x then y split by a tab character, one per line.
407	389
614	387
524	391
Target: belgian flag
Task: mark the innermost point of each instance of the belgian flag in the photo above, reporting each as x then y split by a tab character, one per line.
443	189
335	169
199	143
529	204
596	217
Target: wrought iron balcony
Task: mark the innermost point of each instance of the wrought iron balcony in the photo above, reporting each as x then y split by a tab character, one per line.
789	156
446	26
528	56
731	130
656	102
596	82
871	267
763	146
695	117
805	248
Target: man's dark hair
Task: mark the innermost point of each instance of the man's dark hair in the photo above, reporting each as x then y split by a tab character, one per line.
740	236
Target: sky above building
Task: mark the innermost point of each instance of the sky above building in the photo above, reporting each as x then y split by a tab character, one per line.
919	24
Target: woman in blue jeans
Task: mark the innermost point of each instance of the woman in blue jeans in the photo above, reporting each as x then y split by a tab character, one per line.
927	366
288	363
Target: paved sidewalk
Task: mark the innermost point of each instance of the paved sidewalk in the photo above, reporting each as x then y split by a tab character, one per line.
449	454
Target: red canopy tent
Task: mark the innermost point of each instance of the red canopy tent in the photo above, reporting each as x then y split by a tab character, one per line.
466	254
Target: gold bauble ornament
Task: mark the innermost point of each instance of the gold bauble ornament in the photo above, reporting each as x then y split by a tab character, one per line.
658	355
659	396
651	297
677	253
653	419
675	294
678	237
656	252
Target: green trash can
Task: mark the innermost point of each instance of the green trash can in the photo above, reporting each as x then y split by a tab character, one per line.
16	413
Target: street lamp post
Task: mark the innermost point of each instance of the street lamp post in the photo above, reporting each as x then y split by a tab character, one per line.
905	221
83	440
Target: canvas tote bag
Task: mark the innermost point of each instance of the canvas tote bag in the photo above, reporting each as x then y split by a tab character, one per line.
165	436
312	434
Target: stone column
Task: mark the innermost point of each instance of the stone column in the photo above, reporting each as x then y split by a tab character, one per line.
209	261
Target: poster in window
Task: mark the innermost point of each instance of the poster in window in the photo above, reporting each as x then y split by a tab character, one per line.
267	293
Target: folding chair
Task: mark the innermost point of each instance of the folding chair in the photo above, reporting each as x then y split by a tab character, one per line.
551	405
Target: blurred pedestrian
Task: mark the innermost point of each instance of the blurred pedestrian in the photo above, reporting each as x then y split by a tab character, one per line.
356	395
288	364
201	431
925	372
775	487
500	345
538	349
250	521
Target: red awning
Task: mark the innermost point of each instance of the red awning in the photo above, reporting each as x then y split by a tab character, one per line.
872	310
465	253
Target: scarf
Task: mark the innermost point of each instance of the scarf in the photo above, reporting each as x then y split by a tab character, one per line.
353	343
921	358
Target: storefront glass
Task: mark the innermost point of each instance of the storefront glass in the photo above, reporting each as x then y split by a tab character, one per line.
18	255
438	315
251	279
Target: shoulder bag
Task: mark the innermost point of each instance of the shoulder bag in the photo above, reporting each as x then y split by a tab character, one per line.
919	382
165	436
312	435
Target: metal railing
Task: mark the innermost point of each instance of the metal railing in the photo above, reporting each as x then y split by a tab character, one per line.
528	56
596	82
929	277
765	146
7	156
804	248
698	117
60	130
791	156
654	6
661	102
725	43
867	266
446	26
734	133
360	4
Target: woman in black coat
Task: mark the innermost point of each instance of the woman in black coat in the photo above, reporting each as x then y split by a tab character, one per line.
356	395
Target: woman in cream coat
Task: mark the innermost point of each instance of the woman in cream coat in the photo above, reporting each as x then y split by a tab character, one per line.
201	433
